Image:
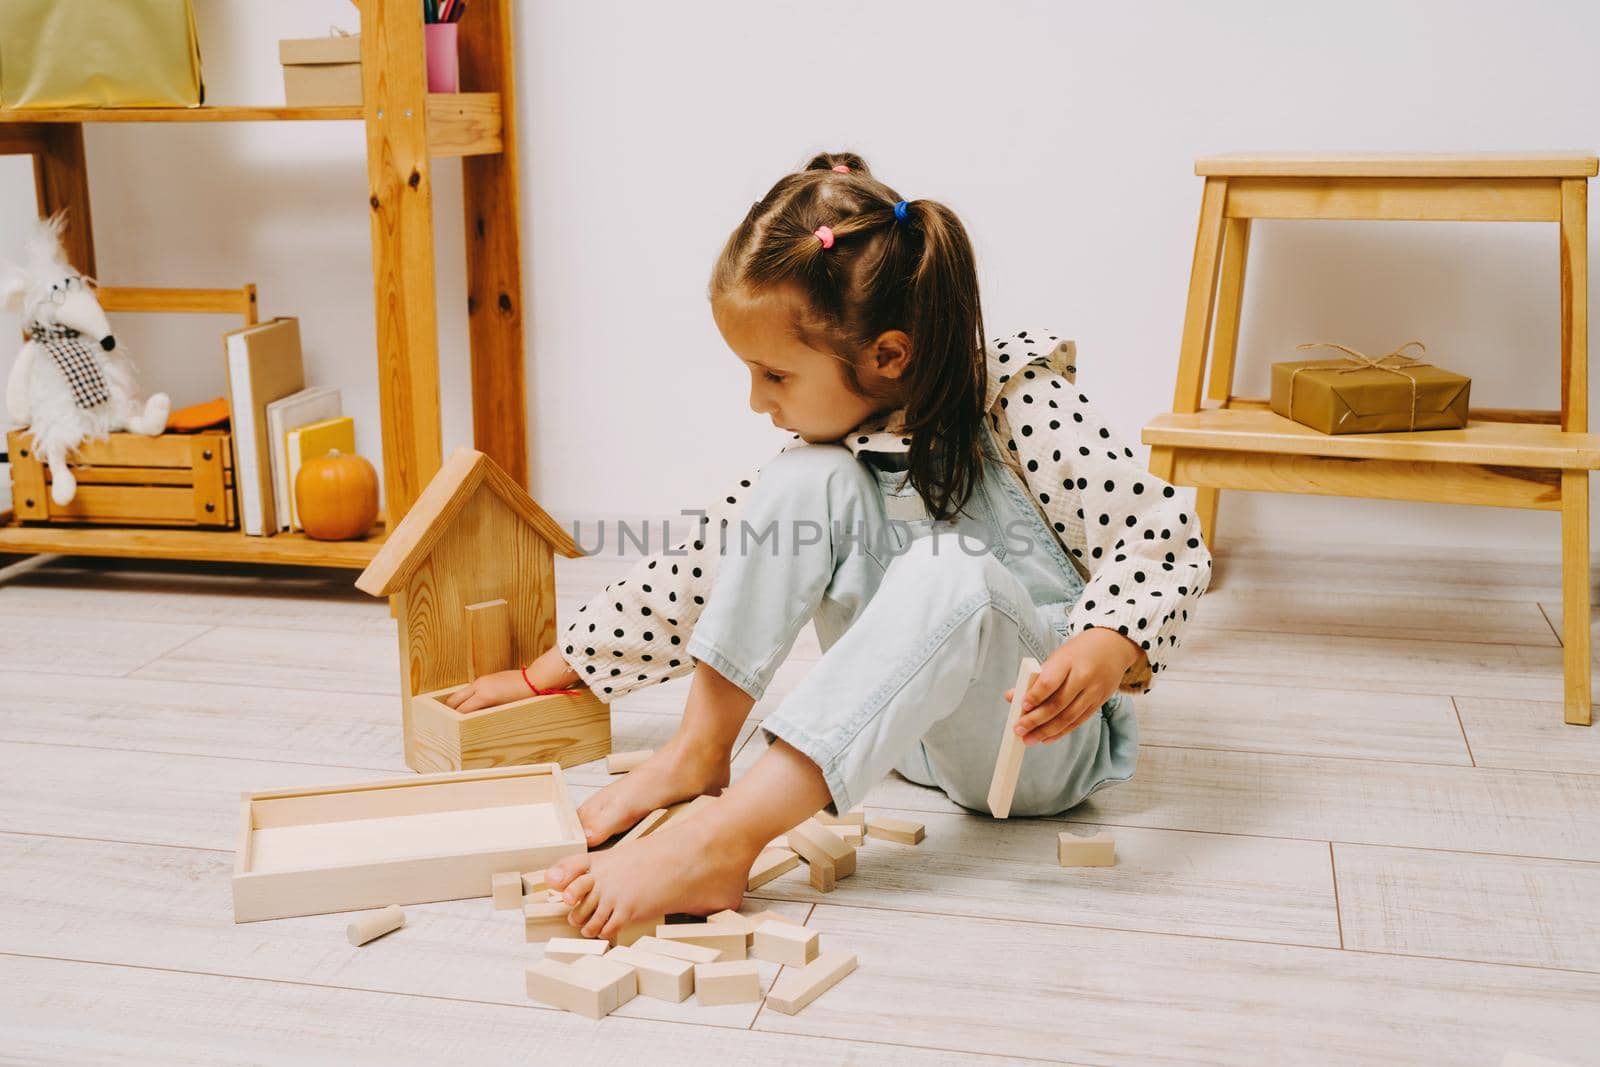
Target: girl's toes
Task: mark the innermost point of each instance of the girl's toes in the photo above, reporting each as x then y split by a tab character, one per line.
580	915
599	920
565	870
578	888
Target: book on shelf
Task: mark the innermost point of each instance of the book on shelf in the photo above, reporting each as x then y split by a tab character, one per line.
264	365
309	442
316	404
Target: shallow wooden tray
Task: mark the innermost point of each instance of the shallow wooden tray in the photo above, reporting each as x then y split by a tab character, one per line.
399	840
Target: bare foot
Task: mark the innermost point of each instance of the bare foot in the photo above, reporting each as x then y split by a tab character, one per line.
681	770
688	867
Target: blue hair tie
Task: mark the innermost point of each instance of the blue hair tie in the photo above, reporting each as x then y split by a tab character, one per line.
900	211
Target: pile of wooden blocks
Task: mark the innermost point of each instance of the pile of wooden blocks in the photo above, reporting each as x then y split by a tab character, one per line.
828	844
714	960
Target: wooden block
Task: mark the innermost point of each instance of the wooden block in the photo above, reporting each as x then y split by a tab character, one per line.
849	834
734	921
591	986
643	928
1097	851
645	825
685	808
823	874
660	977
567	949
771	863
853	817
506	888
681	950
902	830
729	942
375	924
1008	763
782	942
544	919
794	989
623	762
489	637
534	884
815	842
771	916
729	982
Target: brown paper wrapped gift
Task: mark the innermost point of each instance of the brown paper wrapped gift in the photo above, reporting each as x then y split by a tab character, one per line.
1360	394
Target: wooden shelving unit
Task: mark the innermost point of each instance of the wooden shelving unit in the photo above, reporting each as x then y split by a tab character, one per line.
407	129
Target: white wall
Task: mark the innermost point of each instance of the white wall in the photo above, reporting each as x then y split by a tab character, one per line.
1063	133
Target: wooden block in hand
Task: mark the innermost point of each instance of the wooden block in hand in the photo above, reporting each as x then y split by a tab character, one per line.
1008	763
728	982
815	842
901	830
623	762
1097	851
506	888
794	989
544	919
567	949
782	942
660	977
721	938
681	950
771	863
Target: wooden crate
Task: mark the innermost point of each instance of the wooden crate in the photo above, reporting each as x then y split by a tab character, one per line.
565	728
403	840
128	479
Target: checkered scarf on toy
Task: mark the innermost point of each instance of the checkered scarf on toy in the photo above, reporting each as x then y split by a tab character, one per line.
76	362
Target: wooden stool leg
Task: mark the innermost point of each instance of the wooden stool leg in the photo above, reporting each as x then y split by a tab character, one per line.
1575	595
1205	509
1202	293
1224	347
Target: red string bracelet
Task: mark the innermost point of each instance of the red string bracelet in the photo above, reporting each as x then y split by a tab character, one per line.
545	692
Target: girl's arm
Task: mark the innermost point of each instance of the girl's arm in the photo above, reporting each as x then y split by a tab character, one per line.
1139	543
635	632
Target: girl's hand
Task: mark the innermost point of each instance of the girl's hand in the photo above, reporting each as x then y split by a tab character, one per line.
1073	682
549	671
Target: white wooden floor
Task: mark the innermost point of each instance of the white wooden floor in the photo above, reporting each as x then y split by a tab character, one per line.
1358	833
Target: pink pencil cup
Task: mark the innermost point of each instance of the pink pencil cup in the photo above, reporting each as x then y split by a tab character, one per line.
444	71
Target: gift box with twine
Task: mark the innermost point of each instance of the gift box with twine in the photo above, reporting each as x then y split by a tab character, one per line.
1357	393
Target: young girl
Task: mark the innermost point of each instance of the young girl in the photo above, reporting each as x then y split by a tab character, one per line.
945	509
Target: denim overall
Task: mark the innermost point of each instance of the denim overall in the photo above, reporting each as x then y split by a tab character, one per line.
922	623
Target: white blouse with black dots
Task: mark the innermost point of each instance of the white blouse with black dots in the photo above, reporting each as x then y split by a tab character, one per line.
1136	544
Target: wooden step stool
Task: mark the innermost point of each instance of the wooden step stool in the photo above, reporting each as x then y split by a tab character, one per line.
1501	458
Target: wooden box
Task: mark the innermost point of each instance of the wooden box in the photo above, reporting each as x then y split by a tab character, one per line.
128	479
567	729
398	841
321	71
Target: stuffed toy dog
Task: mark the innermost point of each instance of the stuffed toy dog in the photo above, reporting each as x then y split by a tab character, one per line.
70	382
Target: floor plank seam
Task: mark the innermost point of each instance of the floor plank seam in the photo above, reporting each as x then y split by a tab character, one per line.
181	644
1456	707
1548	621
1338	912
400	770
1304	755
115	841
1384	635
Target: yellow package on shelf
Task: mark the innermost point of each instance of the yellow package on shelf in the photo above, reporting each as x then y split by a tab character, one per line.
99	53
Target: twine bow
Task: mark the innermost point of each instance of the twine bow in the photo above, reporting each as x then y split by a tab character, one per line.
1358	361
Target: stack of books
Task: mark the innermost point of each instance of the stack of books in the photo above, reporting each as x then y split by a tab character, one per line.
278	423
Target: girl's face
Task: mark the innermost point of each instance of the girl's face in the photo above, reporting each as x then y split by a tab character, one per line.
800	388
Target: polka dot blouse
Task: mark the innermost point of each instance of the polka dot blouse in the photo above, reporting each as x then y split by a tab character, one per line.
1134	541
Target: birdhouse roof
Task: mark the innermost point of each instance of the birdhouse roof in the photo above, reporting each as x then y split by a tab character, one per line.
465	473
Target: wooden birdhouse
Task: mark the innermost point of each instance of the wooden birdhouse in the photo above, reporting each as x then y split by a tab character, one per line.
471	569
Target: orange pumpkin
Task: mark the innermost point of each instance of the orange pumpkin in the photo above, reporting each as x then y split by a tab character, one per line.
337	495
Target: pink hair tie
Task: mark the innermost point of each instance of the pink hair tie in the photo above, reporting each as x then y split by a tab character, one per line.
825	235
841	168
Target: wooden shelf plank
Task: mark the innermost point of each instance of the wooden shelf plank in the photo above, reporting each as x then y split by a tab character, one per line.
1254	430
229	113
225	546
1400	165
459	124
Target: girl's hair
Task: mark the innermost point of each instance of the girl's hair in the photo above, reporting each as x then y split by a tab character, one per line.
881	274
